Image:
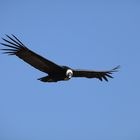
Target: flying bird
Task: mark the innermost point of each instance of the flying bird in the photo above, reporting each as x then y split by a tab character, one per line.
54	71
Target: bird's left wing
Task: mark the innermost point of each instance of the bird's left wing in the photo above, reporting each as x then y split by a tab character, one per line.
95	74
16	47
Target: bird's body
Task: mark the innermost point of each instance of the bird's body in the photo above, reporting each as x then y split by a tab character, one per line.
55	72
63	75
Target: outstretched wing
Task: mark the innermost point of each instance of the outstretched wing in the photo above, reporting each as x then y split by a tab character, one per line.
95	74
16	47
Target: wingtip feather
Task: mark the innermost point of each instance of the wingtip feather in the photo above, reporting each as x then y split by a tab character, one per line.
116	68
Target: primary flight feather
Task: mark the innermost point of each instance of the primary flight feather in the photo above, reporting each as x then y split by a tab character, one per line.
55	72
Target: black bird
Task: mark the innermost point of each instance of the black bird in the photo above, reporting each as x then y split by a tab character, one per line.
55	72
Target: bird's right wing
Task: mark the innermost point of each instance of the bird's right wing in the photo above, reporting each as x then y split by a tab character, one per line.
95	74
16	47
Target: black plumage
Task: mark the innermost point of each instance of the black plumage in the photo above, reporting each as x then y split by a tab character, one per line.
55	72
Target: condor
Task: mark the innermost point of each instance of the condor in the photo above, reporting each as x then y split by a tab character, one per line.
54	71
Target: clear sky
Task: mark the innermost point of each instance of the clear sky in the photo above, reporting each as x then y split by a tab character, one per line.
86	34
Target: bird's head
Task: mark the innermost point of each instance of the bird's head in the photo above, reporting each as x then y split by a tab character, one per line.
69	73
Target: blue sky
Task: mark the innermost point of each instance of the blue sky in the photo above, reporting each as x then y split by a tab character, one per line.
81	34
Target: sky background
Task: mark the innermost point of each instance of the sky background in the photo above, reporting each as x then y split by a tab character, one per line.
88	34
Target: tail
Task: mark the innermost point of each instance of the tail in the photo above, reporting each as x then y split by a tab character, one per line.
47	79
